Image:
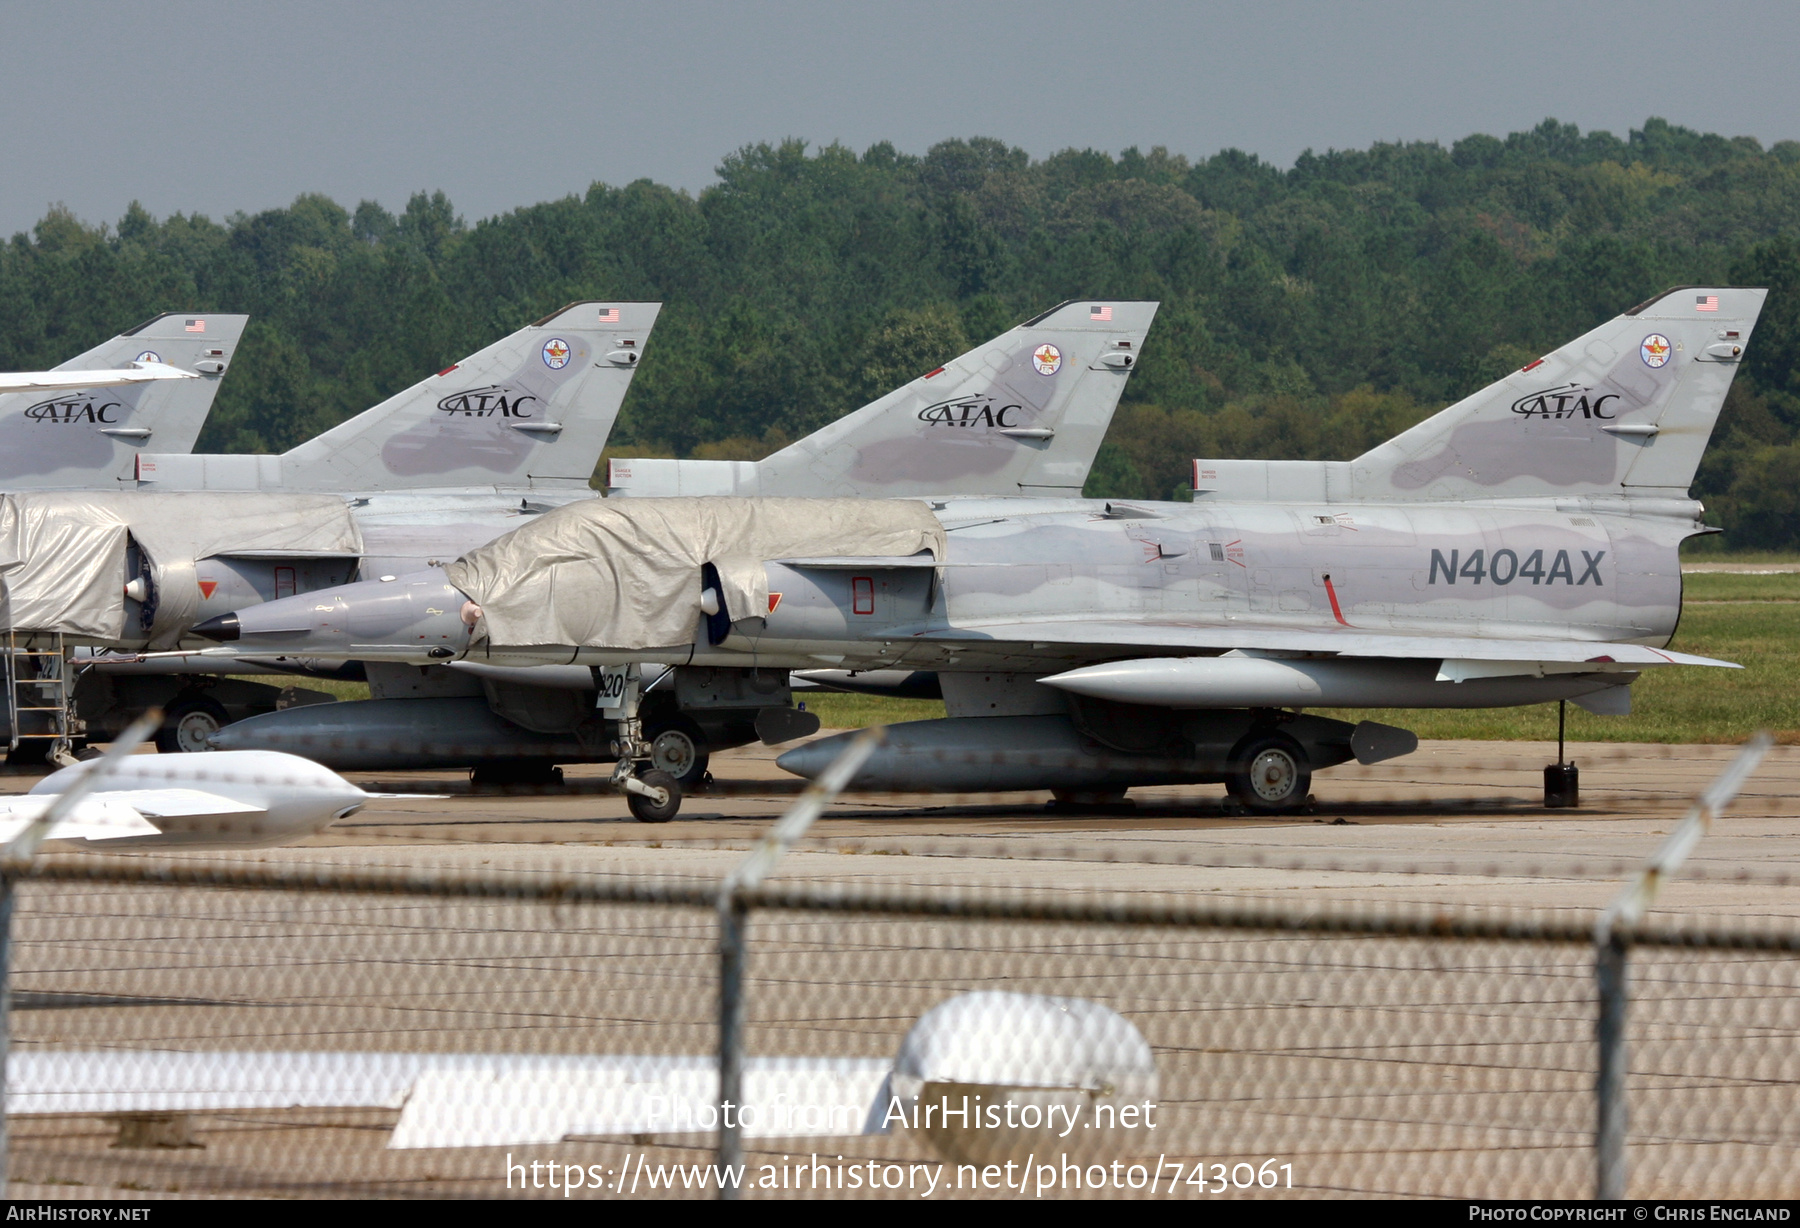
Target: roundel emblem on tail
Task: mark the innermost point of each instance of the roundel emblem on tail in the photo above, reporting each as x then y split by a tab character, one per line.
148	356
1047	359
556	353
1655	350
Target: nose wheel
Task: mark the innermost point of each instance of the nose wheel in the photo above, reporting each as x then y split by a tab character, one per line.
653	797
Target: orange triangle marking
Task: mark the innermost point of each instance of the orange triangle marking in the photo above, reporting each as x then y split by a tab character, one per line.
208	588
774	600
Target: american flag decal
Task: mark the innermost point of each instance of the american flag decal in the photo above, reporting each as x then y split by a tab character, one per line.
1099	313
1706	302
195	326
610	316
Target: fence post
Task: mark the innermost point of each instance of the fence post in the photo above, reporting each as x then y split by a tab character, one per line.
1609	1082
733	916
1625	911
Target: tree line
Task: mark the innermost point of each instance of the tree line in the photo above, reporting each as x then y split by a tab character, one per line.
1308	312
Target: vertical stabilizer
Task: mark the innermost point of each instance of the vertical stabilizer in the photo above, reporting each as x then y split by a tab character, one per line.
531	411
1624	409
1023	414
87	438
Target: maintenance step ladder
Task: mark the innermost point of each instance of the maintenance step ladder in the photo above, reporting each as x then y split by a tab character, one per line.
37	689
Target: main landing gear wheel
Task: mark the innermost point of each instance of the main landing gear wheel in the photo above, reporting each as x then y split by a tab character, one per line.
1270	774
679	748
646	809
189	723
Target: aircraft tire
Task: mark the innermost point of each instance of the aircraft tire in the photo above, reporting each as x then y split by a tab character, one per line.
1270	774
645	810
189	723
678	747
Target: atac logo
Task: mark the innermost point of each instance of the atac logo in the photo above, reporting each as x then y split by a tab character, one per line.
493	401
556	353
81	408
972	411
148	356
1047	359
1655	350
1569	401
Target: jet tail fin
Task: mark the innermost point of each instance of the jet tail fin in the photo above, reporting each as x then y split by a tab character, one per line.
79	438
1023	414
1623	410
531	411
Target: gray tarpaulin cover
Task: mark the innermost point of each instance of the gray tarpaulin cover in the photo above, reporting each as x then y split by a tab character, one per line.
62	555
625	573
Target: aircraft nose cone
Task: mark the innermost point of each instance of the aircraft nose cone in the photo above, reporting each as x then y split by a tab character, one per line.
223	739
221	627
811	759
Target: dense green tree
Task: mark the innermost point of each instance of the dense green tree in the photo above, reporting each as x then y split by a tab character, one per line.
1306	312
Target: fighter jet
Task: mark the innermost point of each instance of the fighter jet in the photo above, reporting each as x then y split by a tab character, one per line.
1021	414
449	463
242	799
522	414
81	425
1520	546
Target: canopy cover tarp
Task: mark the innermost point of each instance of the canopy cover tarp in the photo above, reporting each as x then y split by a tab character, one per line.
625	573
62	554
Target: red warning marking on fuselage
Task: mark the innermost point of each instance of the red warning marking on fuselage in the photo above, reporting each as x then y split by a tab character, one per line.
1336	611
774	600
208	588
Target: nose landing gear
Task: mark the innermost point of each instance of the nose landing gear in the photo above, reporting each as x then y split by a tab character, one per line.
652	794
653	797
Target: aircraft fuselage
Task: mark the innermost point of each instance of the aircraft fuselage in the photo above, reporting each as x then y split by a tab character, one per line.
1228	576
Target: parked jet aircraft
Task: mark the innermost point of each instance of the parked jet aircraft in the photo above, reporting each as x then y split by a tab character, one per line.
445	465
81	425
1518	547
239	799
1023	413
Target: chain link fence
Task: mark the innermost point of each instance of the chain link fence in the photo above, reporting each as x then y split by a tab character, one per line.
224	1029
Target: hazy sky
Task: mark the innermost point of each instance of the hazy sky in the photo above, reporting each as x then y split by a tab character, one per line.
215	107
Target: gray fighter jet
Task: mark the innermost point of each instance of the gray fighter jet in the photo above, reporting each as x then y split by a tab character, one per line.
1023	413
524	414
447	464
1520	546
67	433
82	426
